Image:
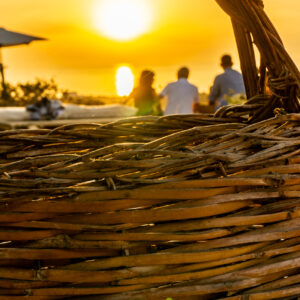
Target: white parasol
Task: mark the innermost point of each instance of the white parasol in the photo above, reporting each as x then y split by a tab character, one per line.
10	38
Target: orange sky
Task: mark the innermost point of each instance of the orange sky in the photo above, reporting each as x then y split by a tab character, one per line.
194	33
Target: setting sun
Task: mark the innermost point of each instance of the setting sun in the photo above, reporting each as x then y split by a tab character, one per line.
124	81
123	19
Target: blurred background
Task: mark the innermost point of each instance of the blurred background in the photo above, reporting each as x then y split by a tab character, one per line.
93	49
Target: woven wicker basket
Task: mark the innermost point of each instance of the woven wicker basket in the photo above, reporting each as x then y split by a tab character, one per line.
181	206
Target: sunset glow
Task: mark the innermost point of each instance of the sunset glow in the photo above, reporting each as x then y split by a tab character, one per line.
123	19
86	40
124	81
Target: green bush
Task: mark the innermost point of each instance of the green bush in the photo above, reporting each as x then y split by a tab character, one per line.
236	99
23	94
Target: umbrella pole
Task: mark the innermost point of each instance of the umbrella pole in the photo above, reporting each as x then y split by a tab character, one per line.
4	89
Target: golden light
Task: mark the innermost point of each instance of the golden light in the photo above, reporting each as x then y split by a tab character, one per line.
123	19
124	81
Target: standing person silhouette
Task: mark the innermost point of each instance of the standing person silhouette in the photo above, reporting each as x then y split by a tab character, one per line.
226	84
144	95
181	95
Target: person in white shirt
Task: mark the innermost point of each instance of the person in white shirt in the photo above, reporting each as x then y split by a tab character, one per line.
181	95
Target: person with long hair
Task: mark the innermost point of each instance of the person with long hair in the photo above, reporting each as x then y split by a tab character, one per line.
144	95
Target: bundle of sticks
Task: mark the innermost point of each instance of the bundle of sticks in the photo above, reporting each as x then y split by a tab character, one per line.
208	209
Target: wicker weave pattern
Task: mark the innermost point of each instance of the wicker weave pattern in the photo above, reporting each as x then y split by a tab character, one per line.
210	208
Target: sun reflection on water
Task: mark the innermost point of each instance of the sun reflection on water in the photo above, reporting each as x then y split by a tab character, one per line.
124	81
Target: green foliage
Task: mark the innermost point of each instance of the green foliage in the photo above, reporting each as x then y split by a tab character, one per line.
236	99
23	94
